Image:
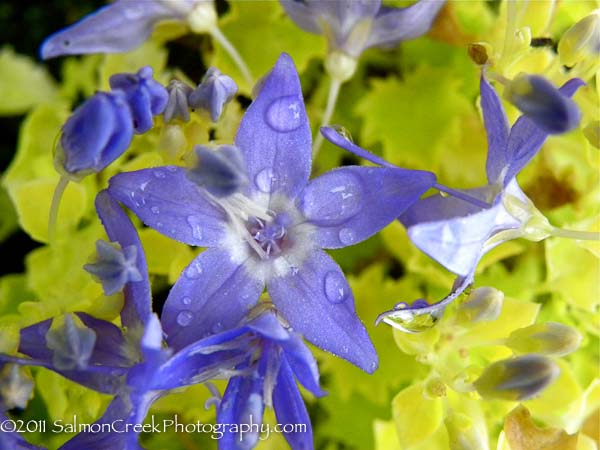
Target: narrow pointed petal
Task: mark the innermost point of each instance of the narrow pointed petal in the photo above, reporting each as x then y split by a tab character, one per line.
351	204
318	303
497	128
138	304
526	138
290	409
212	294
274	134
302	15
166	200
393	25
119	27
242	404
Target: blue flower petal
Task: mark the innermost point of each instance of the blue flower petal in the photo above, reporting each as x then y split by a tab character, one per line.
138	304
351	204
303	15
213	294
497	129
274	134
164	199
290	409
119	27
393	25
318	303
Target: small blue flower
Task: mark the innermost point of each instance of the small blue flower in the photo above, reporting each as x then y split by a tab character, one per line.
115	267
213	93
178	105
457	234
118	27
353	26
96	134
146	97
550	109
271	233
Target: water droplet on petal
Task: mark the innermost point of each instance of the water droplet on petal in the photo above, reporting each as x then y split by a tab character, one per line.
347	236
186	300
264	180
285	114
194	270
158	174
155	210
143	186
184	318
412	322
196	224
217	327
336	287
343	131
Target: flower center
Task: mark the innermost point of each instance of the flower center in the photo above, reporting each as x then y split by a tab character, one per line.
270	236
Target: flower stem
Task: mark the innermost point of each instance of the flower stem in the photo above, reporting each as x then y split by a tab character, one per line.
55	205
575	234
461	195
334	91
218	35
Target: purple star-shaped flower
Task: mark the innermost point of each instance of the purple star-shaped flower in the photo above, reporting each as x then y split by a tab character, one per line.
353	26
118	27
457	234
271	232
213	93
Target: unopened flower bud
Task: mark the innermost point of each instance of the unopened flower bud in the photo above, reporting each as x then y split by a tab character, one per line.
544	104
517	379
177	105
213	93
16	388
482	305
146	97
72	343
581	41
96	134
221	171
114	267
549	338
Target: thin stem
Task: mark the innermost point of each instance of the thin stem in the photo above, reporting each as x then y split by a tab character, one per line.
334	91
218	35
461	195
55	205
575	234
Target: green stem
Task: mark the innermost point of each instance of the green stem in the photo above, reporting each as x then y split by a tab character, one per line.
218	35
54	207
334	91
575	234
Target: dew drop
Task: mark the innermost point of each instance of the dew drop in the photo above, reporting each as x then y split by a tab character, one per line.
196	224
343	132
285	114
264	180
336	287
158	174
143	186
155	210
347	236
138	199
194	270
217	327
186	300
184	318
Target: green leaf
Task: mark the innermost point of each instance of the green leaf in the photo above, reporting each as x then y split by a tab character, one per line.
23	84
277	34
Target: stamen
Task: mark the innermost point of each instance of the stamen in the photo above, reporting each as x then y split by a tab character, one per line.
462	196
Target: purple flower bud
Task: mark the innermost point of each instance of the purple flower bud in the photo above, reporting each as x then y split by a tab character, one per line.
177	105
145	97
551	110
96	134
213	93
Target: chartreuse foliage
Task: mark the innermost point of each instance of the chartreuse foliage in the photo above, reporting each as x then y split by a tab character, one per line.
417	106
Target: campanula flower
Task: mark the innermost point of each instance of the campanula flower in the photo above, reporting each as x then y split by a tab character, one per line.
213	93
145	96
551	110
122	26
456	233
353	26
271	232
178	106
96	134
